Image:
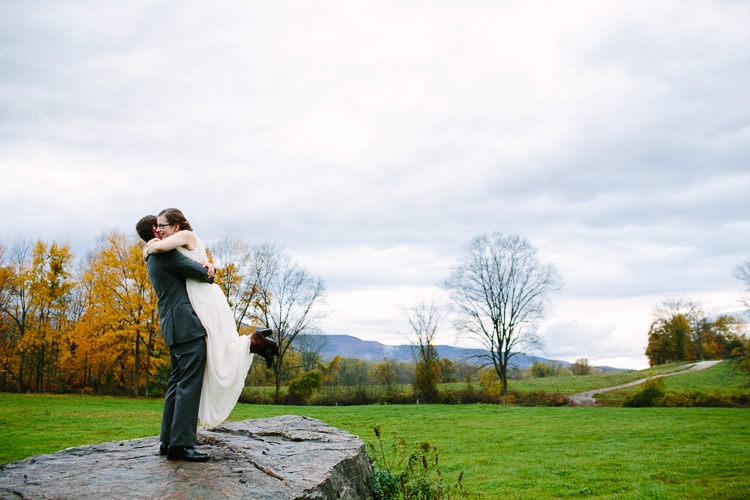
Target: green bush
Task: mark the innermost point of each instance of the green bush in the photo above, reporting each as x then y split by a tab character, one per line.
539	369
303	386
253	395
410	472
426	379
540	398
652	394
710	400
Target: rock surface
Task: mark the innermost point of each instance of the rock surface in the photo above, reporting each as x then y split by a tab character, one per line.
288	457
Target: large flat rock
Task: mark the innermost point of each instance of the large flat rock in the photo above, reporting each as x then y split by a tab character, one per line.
288	457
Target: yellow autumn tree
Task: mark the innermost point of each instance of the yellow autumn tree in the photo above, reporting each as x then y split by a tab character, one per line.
40	291
14	302
10	333
121	350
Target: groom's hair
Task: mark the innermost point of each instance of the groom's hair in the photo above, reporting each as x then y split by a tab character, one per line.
145	227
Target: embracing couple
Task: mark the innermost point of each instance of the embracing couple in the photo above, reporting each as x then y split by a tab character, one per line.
208	359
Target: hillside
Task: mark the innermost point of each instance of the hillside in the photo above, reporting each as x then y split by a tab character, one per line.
352	347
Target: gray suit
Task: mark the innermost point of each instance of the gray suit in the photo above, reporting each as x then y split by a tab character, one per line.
185	336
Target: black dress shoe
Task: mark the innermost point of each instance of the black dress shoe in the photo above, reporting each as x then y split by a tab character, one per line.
188	454
163	448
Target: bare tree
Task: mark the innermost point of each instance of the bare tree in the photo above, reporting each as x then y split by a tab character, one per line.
424	320
310	346
236	269
500	290
742	273
289	296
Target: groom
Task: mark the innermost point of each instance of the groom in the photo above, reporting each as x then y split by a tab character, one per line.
185	336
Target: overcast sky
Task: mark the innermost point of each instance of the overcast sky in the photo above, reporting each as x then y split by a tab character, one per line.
373	140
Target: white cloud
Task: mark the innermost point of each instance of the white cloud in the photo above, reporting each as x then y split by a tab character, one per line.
374	140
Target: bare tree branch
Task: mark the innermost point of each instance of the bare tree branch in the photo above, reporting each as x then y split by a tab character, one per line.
742	273
289	296
424	320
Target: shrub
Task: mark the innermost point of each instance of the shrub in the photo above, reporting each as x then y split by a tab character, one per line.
652	394
581	367
303	386
426	378
254	395
540	398
490	384
539	369
710	400
410	472
346	397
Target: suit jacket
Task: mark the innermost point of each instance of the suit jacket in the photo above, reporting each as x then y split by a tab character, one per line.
167	272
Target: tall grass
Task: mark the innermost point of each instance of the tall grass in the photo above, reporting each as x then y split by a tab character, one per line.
504	451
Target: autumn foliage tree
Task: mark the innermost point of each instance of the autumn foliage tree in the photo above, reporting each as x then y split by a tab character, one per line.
14	304
682	332
121	349
37	287
93	326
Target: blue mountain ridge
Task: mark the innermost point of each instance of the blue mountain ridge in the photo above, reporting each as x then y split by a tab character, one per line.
349	346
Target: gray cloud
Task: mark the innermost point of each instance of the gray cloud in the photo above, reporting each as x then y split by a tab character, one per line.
374	140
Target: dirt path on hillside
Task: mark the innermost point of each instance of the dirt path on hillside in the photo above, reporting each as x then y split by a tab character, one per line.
586	398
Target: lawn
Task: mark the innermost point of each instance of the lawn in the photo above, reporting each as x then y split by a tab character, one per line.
504	451
724	379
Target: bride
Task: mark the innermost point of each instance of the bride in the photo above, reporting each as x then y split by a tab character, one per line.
228	353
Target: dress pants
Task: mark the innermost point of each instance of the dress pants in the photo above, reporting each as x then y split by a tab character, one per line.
179	421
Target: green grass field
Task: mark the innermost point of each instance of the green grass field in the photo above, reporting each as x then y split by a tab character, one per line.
504	451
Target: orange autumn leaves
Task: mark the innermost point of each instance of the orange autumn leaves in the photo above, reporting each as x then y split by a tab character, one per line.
88	326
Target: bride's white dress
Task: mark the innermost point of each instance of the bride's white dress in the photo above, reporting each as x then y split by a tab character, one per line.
228	353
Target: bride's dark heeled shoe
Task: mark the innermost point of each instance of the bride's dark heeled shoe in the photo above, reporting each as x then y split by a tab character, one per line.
261	344
269	359
266	332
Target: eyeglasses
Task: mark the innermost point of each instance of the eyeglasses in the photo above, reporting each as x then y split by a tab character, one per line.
162	226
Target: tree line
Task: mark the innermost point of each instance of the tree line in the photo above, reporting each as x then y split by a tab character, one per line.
682	331
92	326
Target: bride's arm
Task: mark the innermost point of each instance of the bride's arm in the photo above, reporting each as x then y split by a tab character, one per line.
182	238
179	239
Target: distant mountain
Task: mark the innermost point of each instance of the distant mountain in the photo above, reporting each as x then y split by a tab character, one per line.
348	346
